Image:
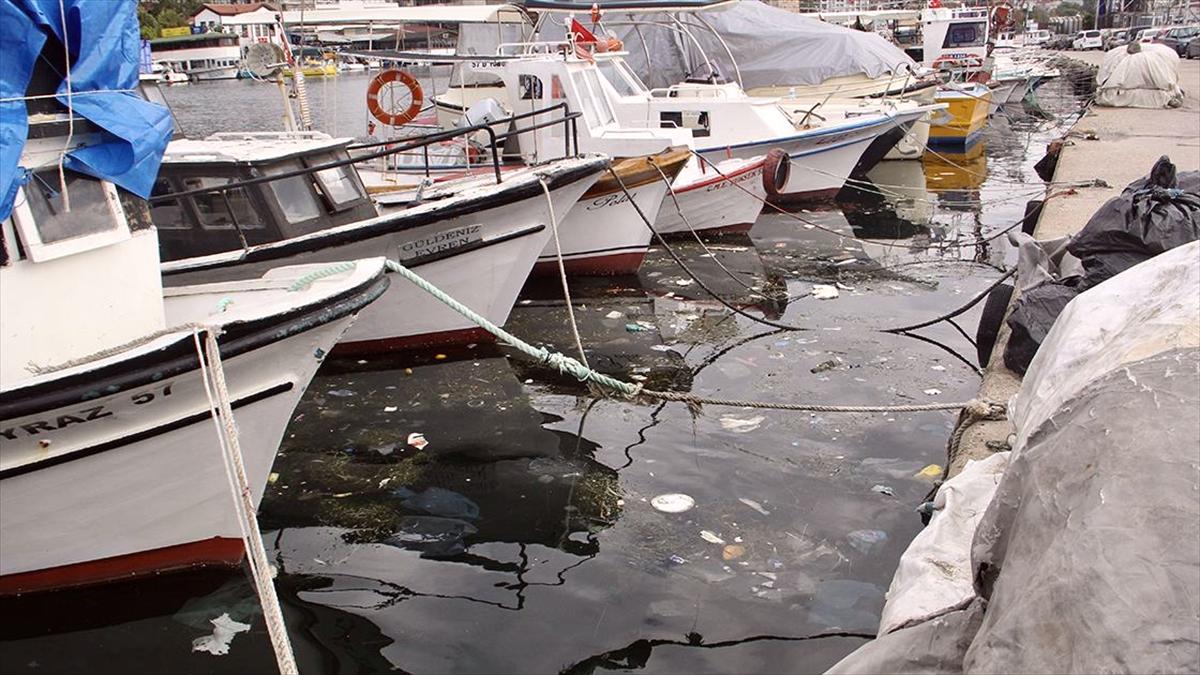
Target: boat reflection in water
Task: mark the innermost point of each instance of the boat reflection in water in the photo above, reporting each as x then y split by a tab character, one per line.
374	510
957	177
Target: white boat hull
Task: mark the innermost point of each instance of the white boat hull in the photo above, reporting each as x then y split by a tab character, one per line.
711	202
482	259
604	234
134	482
821	160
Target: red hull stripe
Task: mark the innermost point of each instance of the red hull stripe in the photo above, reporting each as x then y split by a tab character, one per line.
445	337
729	175
601	265
220	551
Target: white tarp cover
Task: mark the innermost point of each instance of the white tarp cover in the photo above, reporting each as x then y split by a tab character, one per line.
1088	557
772	46
1148	78
934	575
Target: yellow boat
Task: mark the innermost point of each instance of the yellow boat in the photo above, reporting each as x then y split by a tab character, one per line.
968	114
315	69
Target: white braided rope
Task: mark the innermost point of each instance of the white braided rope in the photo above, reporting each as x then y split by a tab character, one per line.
239	487
562	274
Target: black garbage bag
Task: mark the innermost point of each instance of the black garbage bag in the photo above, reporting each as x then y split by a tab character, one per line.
1152	215
1032	319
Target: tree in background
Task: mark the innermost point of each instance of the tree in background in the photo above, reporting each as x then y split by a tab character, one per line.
157	15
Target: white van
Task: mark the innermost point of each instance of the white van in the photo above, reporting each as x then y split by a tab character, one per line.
1087	39
1037	38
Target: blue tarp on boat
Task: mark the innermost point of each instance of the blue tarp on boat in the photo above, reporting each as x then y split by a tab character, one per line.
104	45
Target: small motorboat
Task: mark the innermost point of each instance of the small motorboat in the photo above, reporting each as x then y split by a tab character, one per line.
111	465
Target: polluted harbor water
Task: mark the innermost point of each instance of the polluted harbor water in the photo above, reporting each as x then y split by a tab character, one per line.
277	437
465	510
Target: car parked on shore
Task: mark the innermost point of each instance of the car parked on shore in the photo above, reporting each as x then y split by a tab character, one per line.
1177	38
1087	39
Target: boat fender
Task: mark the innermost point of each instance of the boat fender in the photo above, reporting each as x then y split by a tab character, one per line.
990	321
389	117
777	168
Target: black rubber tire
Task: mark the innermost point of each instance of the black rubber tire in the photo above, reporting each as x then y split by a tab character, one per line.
990	321
776	170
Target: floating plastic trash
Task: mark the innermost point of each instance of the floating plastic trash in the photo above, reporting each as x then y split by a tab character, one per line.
824	292
754	505
741	425
217	644
883	490
673	503
417	441
733	552
711	537
931	471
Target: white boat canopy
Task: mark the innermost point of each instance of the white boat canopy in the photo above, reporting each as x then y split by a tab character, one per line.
760	45
376	14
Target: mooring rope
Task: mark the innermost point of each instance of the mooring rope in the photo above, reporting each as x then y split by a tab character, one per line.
568	365
213	376
562	273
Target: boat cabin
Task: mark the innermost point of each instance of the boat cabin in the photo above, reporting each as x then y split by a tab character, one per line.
956	37
206	223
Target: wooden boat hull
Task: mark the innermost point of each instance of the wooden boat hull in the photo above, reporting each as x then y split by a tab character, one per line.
968	113
130	482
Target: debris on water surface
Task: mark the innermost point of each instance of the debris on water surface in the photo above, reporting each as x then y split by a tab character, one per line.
272	477
824	292
733	552
217	644
741	425
674	502
433	536
883	490
931	471
933	392
417	440
678	560
662	348
683	282
637	327
390	408
938	367
711	537
754	505
438	501
825	365
866	540
613	315
340	393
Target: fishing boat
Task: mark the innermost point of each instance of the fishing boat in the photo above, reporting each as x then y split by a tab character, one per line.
725	195
110	463
956	44
235	204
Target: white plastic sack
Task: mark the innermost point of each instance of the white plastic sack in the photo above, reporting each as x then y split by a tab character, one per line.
934	575
1146	310
1148	78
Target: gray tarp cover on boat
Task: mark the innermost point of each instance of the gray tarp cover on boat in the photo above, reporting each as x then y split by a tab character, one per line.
772	46
1087	559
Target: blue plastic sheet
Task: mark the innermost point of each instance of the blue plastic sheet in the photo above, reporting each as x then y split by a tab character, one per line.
104	44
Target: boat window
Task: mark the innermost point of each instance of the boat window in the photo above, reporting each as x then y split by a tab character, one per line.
966	35
294	194
622	81
595	105
223	210
90	211
168	214
531	88
696	120
339	183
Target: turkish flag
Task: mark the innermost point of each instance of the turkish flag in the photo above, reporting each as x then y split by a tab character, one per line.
582	35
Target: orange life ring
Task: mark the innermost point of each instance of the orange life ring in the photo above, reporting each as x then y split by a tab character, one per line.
389	118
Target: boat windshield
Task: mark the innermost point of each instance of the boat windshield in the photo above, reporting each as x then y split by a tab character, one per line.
294	194
972	34
596	107
622	79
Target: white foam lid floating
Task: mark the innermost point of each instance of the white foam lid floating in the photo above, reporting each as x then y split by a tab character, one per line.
673	502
